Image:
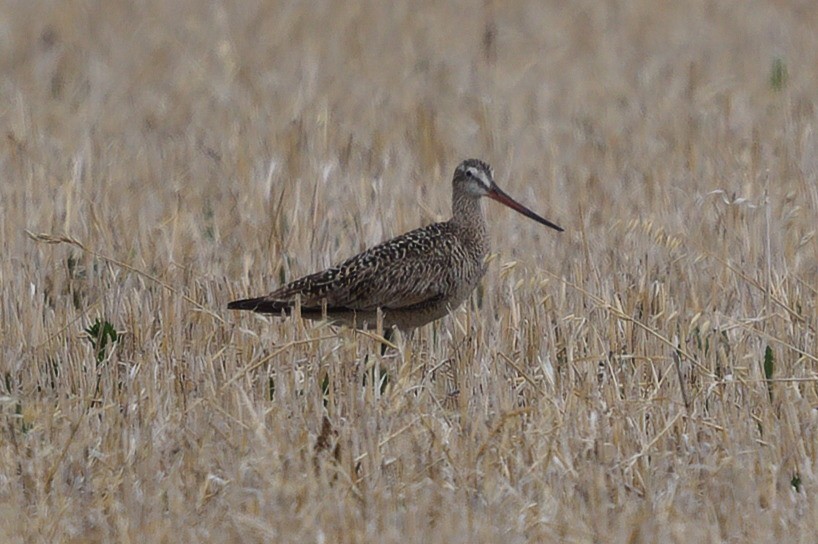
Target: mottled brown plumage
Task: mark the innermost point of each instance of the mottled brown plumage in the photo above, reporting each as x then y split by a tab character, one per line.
414	278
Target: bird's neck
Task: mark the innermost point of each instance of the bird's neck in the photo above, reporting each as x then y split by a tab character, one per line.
467	213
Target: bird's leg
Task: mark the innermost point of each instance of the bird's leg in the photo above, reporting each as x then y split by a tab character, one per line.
389	336
409	363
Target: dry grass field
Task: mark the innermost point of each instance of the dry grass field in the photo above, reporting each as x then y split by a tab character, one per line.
649	375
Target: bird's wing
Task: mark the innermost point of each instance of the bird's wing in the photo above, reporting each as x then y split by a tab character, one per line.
411	281
406	271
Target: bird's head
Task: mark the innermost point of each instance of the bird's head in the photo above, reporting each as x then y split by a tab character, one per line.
475	179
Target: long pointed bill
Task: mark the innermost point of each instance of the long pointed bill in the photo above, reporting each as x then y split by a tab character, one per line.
502	197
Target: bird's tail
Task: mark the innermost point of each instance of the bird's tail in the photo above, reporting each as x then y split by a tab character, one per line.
261	305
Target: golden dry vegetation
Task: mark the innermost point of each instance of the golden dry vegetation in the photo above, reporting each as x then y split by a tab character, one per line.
647	376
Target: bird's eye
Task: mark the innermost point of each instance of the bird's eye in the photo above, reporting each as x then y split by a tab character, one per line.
470	173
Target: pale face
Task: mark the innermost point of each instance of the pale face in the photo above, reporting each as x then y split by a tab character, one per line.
475	177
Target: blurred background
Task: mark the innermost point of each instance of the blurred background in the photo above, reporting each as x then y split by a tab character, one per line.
593	113
194	152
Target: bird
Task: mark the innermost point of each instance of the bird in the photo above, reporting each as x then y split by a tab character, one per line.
412	279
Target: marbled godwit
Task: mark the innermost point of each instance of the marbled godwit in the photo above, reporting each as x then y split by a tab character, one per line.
413	279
